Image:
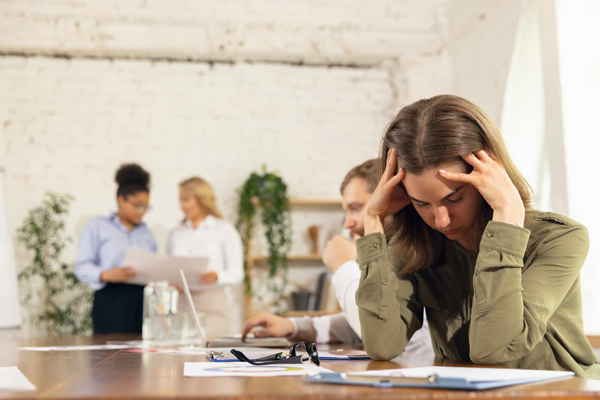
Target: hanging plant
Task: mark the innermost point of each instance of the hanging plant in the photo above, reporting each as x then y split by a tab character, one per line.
269	192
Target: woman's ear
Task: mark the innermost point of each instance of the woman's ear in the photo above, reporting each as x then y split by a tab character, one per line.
121	200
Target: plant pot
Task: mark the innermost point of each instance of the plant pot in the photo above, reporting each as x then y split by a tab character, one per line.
300	300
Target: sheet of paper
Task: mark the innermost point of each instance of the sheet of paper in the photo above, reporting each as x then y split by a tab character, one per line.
155	343
344	354
12	379
79	348
234	343
470	374
208	369
183	351
158	267
251	352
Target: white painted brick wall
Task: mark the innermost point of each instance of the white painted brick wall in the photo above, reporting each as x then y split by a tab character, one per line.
235	29
67	125
129	95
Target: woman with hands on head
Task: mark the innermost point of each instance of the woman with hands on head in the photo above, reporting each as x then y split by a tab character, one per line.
451	229
103	243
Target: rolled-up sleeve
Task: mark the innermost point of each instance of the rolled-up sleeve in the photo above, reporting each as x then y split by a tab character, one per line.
87	268
389	314
512	307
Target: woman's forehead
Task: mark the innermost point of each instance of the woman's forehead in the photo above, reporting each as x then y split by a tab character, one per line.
430	184
140	196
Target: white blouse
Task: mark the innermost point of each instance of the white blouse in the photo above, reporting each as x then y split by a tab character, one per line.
215	238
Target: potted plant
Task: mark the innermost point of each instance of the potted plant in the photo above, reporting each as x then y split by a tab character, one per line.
65	304
268	192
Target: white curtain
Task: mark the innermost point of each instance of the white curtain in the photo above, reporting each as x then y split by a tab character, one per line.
548	120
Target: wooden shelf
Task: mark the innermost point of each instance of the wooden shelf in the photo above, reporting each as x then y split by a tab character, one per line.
307	202
310	313
309	260
315	202
294	257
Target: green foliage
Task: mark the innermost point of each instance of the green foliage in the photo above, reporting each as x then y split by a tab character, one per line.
66	302
270	192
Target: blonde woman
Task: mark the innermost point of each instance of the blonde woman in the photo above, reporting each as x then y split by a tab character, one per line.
204	233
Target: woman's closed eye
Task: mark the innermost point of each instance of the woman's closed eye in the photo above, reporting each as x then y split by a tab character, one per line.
423	205
454	201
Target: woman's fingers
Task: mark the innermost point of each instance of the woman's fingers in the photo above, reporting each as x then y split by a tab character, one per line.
476	162
483	155
390	165
396	179
456	176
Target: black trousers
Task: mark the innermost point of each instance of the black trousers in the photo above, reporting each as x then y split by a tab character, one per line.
118	308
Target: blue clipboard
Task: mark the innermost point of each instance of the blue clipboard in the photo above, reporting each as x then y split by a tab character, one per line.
431	382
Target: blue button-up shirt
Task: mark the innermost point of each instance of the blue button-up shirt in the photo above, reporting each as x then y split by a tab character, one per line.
103	244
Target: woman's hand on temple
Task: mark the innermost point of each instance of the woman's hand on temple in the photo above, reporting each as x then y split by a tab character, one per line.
274	326
493	183
209	278
388	198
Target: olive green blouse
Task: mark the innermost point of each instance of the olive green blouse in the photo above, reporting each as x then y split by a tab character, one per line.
516	303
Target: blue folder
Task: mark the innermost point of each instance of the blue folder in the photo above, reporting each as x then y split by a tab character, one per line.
431	382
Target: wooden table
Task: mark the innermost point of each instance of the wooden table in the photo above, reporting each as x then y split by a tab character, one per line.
118	374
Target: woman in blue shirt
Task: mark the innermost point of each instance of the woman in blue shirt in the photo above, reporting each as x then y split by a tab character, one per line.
118	306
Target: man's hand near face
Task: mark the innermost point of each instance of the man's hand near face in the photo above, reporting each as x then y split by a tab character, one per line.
338	251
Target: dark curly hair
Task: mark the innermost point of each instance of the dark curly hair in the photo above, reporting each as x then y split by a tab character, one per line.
132	179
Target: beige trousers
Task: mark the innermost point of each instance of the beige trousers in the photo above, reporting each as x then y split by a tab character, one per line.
215	306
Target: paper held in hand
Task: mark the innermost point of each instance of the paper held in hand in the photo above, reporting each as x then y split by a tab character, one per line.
163	267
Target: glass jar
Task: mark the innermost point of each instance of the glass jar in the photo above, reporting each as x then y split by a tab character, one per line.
161	317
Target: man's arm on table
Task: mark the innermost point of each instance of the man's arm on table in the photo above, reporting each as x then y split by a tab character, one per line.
343	327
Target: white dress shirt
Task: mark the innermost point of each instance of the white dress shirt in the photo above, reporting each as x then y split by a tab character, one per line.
345	326
216	239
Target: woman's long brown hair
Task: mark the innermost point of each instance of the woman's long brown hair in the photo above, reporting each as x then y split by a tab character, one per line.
428	134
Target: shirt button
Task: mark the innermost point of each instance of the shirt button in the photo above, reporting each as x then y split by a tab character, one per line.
376	245
489	234
384	281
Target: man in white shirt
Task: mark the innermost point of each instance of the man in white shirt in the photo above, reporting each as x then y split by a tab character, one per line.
340	257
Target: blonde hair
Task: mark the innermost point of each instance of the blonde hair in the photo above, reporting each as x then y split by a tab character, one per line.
427	134
203	192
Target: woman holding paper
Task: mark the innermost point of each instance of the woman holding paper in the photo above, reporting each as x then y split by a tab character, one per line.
499	280
204	233
103	242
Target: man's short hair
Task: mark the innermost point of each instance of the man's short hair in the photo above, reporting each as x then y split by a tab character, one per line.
366	171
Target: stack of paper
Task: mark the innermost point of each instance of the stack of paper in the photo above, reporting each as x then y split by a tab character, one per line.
78	348
12	379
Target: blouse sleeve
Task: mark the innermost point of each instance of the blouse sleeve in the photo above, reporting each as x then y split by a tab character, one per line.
387	307
86	268
170	242
511	307
233	258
